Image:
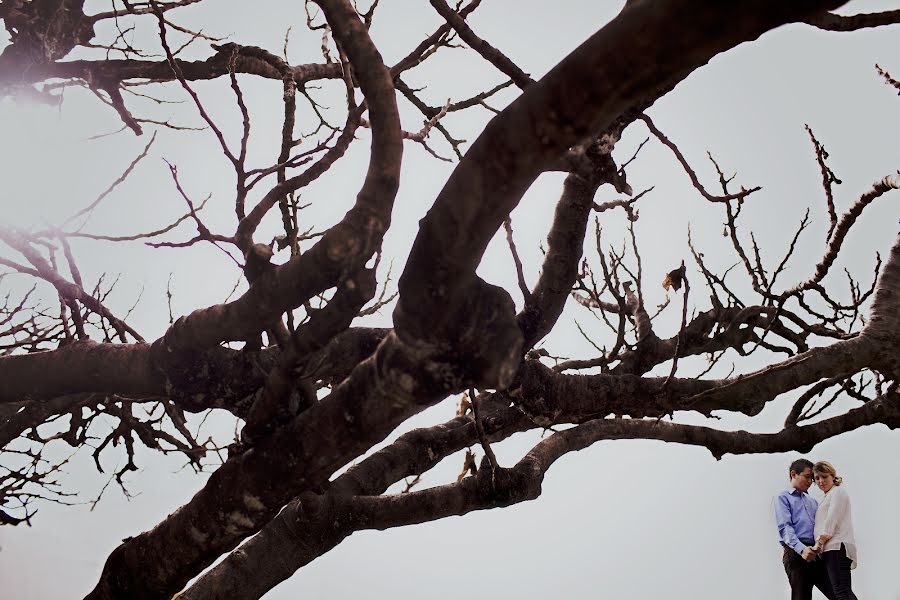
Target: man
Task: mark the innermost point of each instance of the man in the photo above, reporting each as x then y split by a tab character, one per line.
795	517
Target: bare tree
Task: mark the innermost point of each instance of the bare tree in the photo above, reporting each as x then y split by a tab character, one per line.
316	393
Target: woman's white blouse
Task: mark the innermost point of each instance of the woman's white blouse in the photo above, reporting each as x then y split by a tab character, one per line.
833	518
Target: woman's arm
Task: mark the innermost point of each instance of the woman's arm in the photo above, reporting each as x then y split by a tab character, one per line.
838	509
821	541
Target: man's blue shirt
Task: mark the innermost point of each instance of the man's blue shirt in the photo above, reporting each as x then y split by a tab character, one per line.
795	517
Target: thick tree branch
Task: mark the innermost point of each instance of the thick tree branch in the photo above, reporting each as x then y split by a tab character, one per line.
217	378
296	536
834	22
247	491
749	393
343	248
884	410
259	482
564	250
313	525
81	367
272	408
621	66
12	73
883	327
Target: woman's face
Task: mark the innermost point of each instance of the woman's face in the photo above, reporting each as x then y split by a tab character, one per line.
825	481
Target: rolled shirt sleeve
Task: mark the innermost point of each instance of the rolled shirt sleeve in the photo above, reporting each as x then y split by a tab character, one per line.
838	507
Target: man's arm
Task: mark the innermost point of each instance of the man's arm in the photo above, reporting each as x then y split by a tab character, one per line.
785	525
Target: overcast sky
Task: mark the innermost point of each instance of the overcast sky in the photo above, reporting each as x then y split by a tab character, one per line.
624	519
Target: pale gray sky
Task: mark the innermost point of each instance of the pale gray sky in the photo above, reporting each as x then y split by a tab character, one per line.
626	519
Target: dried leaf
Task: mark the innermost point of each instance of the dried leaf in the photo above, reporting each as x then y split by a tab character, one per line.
674	278
464	406
468	466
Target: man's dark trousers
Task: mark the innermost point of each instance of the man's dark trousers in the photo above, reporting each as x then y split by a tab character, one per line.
803	575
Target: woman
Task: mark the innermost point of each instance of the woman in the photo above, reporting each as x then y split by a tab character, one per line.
834	530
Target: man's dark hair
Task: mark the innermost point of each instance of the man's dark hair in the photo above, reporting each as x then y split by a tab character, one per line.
799	465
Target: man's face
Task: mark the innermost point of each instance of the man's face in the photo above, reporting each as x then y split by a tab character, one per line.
802	480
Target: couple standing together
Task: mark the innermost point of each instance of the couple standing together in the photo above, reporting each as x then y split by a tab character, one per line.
819	549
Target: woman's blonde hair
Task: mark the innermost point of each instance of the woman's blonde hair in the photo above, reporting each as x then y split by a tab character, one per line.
823	466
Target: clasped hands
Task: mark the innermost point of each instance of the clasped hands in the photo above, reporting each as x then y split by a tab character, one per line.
813	552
